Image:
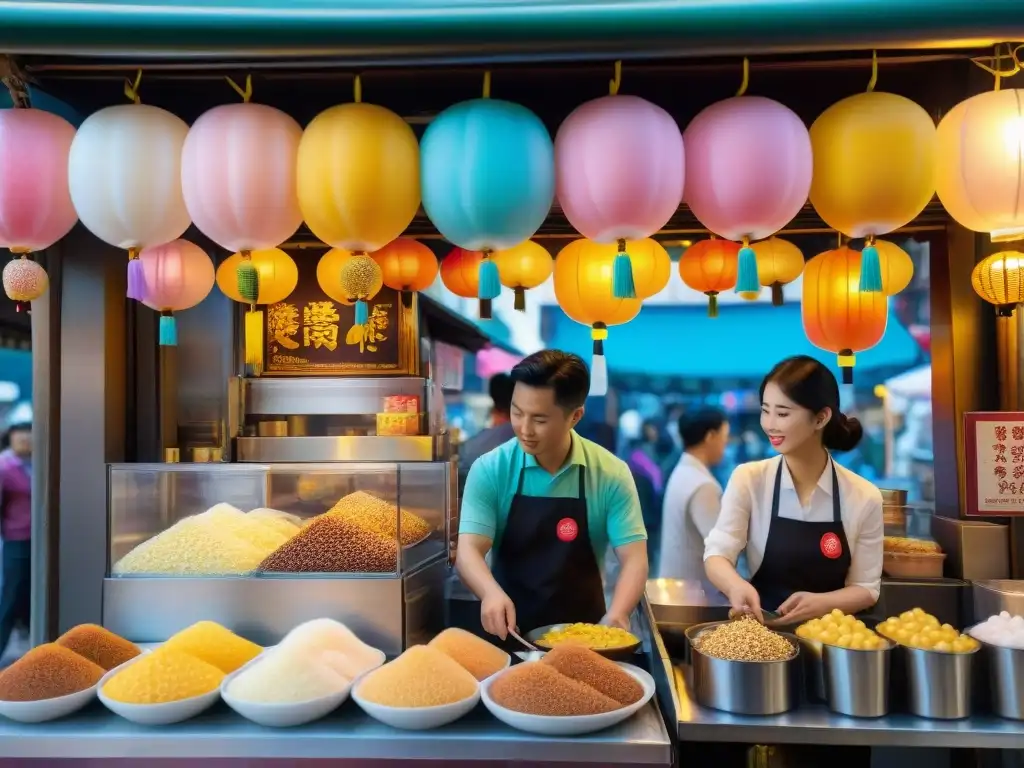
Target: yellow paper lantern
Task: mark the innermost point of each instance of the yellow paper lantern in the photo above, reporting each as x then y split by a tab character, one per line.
583	287
523	267
980	163
779	262
358	176
350	278
999	280
897	267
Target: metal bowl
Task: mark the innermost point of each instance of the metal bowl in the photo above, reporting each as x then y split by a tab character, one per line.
619	653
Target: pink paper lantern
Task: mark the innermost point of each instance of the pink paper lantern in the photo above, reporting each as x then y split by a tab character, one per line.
749	167
178	275
238	176
35	203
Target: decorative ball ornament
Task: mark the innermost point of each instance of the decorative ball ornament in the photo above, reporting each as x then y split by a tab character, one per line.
837	315
407	266
710	266
350	278
980	162
779	262
523	267
24	282
749	167
583	277
178	276
460	272
999	280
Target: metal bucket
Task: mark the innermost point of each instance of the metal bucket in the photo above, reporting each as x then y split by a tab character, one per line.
939	683
1006	676
857	681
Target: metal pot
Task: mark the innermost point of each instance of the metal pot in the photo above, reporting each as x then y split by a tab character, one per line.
939	683
857	681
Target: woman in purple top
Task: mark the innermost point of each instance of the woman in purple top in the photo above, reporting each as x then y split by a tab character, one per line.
16	530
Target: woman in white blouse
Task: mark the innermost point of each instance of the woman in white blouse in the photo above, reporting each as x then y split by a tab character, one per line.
812	530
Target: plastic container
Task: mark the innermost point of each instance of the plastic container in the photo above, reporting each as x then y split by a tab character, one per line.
914	565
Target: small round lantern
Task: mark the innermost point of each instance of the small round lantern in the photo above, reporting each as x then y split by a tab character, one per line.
837	315
178	276
748	173
488	180
710	266
24	282
407	266
896	265
874	169
460	272
523	267
124	175
583	278
999	280
779	262
350	278
621	168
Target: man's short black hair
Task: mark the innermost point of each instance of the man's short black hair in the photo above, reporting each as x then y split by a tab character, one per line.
500	387
563	372
694	426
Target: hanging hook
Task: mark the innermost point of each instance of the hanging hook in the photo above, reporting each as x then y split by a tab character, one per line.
874	72
996	69
487	84
131	89
245	93
746	77
616	81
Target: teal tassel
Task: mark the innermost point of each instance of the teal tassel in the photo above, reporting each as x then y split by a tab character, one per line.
362	312
623	286
746	279
490	280
168	330
870	270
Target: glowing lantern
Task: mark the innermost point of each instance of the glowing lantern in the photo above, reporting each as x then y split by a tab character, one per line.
778	262
874	169
896	265
24	281
275	278
178	276
350	278
523	267
748	173
837	315
583	287
488	180
124	173
621	168
35	204
460	272
407	266
710	267
980	162
999	280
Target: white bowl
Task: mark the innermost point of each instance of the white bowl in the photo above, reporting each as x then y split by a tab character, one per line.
47	709
156	714
574	725
417	718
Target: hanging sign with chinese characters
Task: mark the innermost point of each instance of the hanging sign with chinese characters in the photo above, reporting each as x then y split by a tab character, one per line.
309	334
995	463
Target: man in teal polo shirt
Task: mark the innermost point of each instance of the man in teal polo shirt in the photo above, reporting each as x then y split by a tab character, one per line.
549	503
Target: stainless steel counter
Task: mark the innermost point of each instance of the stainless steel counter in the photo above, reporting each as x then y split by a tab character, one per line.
348	734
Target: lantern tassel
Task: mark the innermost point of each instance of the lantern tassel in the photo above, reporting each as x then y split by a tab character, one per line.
712	304
490	280
486	309
599	363
870	269
406	296
746	278
623	286
519	304
847	360
136	277
248	279
362	312
168	330
777	297
254	340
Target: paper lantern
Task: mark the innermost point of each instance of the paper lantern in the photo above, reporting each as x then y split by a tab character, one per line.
748	172
24	282
999	280
238	176
488	180
896	265
837	315
874	169
523	267
407	266
350	278
620	167
710	266
460	272
178	276
124	174
358	176
779	262
583	288
258	278
980	162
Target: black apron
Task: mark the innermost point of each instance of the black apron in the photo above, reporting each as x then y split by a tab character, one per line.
546	563
802	556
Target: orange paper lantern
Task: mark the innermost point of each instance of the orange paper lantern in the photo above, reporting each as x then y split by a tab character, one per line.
460	272
407	266
778	262
523	267
710	267
837	315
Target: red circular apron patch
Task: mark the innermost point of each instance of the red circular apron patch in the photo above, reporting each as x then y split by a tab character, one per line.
831	547
567	529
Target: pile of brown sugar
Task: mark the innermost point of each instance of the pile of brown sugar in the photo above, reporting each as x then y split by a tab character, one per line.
381	517
100	646
47	672
536	688
595	670
333	545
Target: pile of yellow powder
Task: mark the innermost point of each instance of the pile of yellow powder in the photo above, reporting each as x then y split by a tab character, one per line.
215	645
163	676
380	517
420	677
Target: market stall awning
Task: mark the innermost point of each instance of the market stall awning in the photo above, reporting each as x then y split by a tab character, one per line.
496	29
744	342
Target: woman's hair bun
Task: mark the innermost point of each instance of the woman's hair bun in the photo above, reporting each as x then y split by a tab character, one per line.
842	433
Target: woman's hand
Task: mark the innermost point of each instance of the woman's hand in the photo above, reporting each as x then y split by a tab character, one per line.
744	599
802	606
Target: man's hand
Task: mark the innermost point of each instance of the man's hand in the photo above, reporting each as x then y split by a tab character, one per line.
801	606
497	613
613	620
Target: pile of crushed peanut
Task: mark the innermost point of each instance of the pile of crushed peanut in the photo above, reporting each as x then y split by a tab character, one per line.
745	639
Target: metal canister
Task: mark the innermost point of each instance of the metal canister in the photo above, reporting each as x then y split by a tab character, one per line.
857	681
939	683
814	668
1006	676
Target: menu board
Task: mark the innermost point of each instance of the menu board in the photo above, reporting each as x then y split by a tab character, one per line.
310	334
994	443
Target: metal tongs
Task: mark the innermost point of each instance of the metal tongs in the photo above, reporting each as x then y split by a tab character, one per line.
528	646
